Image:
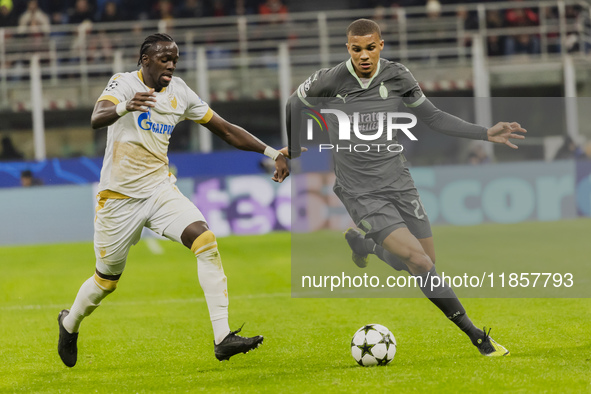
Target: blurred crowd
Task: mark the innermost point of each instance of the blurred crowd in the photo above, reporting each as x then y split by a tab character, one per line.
38	15
35	17
501	18
36	21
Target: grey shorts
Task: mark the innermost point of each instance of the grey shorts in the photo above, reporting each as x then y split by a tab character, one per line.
381	212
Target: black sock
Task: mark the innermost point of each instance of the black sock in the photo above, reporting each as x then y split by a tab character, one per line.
390	259
367	244
445	299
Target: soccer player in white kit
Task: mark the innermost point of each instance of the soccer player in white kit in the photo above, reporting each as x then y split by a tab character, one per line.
136	189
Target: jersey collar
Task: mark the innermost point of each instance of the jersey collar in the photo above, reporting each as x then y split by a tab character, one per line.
352	71
141	77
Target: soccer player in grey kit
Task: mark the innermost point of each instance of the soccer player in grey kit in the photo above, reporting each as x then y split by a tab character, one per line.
375	186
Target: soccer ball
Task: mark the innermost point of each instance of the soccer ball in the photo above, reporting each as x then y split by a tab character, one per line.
373	344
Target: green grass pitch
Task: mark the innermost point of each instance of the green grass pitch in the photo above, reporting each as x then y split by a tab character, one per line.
153	334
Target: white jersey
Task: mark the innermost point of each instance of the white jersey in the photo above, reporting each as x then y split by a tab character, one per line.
136	159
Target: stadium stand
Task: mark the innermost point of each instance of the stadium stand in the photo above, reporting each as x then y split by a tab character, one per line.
526	43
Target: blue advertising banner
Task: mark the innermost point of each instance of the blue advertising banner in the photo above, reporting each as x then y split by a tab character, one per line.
85	170
253	204
499	193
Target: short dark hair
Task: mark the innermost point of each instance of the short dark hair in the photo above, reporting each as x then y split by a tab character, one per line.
363	27
150	40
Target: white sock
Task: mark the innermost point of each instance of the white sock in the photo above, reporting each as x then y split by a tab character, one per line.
220	329
88	299
215	288
213	282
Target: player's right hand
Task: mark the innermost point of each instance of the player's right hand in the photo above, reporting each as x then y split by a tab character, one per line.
285	151
142	101
281	169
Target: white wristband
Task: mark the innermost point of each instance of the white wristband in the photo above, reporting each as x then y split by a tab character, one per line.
121	108
272	153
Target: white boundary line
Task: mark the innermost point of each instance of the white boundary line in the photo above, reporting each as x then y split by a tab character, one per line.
144	302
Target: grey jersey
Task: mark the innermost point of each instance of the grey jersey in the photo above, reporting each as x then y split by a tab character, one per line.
391	89
360	172
341	81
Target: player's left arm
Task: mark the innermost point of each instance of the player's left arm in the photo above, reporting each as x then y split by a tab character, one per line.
242	139
198	111
449	124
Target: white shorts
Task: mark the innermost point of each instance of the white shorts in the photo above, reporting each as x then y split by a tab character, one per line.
118	224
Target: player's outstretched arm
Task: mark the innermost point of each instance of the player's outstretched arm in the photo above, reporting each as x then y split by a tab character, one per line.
502	132
243	140
106	113
449	124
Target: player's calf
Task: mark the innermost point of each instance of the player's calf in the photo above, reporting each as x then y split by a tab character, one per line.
417	261
89	297
214	284
213	281
407	247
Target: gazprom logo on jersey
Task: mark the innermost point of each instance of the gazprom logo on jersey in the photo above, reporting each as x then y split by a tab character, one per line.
366	127
145	123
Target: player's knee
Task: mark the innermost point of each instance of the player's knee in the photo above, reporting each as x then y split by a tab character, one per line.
204	242
192	232
419	259
107	283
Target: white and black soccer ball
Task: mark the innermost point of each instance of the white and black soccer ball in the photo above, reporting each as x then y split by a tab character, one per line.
373	344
